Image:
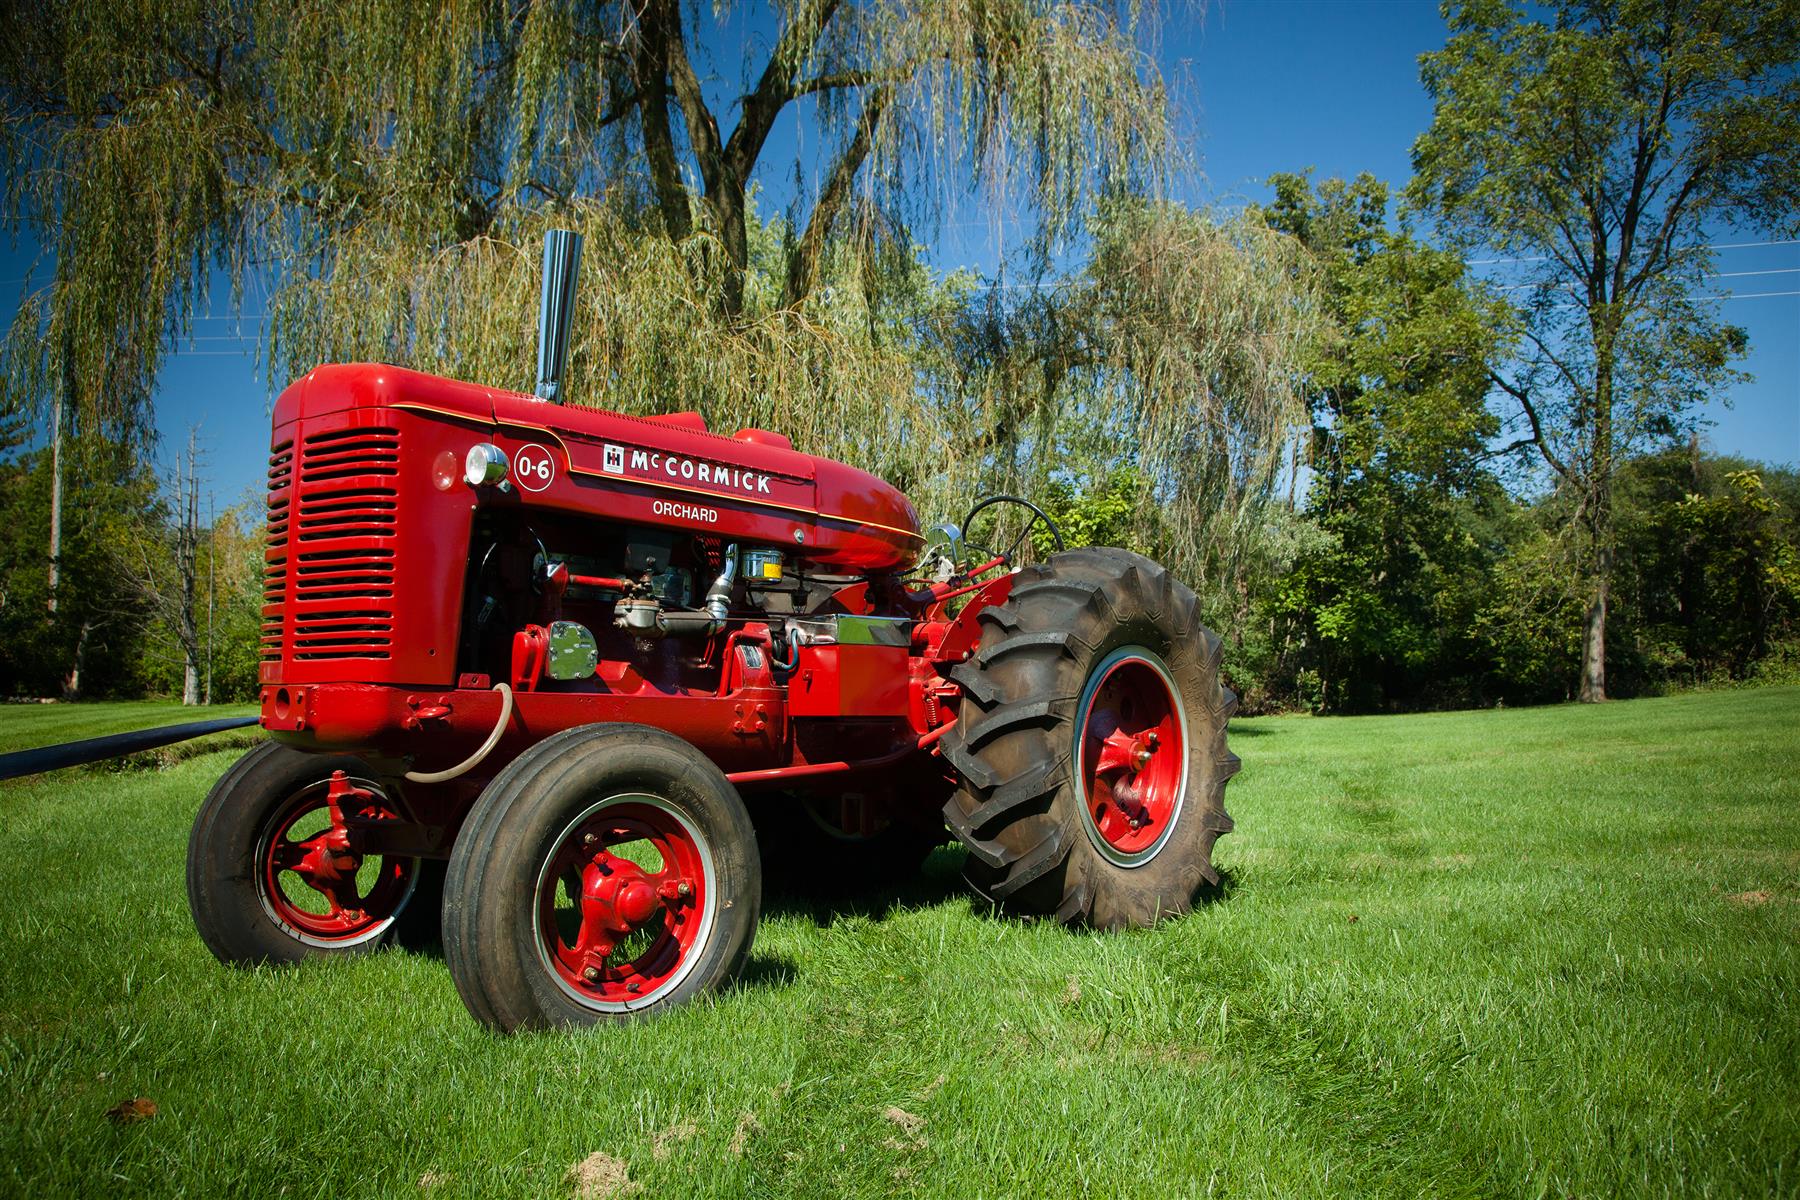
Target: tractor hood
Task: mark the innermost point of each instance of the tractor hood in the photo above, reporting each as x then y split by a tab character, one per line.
751	486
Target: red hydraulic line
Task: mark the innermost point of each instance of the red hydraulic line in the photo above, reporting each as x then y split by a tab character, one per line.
775	774
600	581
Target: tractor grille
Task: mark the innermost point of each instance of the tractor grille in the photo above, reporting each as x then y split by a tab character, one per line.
331	546
275	559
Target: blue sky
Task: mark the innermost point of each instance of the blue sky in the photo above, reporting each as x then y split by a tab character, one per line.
1261	87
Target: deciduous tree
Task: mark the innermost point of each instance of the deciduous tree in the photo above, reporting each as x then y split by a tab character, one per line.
1597	150
1397	485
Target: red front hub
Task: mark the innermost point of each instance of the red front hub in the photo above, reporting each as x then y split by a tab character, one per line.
623	907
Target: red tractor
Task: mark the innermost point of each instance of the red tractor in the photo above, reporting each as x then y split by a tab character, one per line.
532	659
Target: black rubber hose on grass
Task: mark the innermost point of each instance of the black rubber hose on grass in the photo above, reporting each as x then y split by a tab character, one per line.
115	745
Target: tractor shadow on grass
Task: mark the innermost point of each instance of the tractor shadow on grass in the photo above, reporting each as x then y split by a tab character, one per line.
765	972
938	881
824	902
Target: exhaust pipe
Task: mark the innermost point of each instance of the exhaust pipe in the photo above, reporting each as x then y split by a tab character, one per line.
556	310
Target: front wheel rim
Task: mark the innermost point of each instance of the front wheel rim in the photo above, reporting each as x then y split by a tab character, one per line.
615	932
323	895
1131	760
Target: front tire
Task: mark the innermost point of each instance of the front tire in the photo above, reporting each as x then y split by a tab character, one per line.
1091	744
610	870
263	885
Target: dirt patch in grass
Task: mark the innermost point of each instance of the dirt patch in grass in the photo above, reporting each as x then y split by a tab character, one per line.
664	1143
1753	899
130	1112
600	1176
746	1129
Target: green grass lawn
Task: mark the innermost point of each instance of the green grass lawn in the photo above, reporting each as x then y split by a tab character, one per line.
1537	952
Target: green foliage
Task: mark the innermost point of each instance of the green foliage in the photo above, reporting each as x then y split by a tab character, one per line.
1709	567
1099	512
1376	608
1596	150
90	643
1528	627
390	172
332	153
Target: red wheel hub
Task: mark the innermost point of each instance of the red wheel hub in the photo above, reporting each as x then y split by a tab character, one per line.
1132	754
622	903
316	879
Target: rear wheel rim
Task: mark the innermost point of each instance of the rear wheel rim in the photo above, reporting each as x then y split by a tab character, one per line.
331	900
1131	758
625	903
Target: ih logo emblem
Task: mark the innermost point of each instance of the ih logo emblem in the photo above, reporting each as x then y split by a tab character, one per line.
613	463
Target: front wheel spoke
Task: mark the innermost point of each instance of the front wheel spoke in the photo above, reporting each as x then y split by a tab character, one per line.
591	942
289	855
340	892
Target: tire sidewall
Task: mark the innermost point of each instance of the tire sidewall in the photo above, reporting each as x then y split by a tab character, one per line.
491	893
225	871
1171	875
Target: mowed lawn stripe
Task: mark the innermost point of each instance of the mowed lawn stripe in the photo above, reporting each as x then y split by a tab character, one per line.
1525	952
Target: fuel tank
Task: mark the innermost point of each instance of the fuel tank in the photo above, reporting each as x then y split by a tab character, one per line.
750	487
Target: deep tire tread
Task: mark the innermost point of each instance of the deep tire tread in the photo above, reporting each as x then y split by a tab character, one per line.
1013	744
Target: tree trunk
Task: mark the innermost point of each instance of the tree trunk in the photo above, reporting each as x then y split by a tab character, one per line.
187	562
803	261
1593	646
71	689
650	61
1599	517
726	206
56	474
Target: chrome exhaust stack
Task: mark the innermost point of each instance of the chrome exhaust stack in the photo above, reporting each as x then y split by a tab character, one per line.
556	310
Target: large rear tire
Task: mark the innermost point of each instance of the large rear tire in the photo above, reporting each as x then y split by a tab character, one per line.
609	871
265	887
1091	744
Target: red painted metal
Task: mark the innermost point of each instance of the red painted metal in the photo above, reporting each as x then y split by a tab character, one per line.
364	530
617	931
348	904
1134	753
815	770
531	645
849	681
374	570
937	593
607	582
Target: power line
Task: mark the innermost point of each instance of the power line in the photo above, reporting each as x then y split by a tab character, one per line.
1486	262
1739	274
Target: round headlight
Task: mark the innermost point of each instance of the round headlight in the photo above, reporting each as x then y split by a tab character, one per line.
485	465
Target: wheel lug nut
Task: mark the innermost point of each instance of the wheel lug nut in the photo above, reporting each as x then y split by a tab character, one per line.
634	986
588	840
684	888
591	974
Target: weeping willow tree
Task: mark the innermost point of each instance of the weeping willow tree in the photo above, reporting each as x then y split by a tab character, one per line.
1170	359
330	148
385	170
